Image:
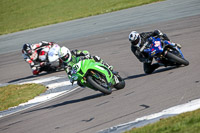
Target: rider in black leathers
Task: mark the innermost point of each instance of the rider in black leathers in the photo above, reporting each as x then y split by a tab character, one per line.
138	40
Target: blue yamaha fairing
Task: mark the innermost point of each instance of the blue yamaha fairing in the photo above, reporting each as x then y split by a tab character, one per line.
165	52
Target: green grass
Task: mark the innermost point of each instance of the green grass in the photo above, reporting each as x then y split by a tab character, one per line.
13	95
184	123
17	15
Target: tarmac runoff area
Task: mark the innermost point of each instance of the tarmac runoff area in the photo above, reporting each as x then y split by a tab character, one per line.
59	85
139	122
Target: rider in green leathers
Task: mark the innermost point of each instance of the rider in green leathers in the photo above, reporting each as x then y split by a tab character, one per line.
72	57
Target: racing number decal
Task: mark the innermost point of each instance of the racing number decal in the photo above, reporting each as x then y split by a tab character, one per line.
52	51
76	67
157	43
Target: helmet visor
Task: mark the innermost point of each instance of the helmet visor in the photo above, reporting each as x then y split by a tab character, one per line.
65	58
137	40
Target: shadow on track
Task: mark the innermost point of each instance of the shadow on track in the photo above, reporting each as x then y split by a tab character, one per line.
32	76
67	102
28	77
156	71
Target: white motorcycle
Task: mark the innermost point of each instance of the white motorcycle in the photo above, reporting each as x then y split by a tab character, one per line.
53	59
49	60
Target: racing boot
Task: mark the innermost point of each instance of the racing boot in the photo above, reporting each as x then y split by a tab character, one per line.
36	70
148	68
177	45
109	66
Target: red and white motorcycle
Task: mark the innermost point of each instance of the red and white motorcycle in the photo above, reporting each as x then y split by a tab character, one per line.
53	58
49	59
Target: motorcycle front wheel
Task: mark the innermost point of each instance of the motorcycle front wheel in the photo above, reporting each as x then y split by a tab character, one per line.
174	58
102	89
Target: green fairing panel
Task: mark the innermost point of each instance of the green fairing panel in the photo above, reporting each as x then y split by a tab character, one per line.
92	65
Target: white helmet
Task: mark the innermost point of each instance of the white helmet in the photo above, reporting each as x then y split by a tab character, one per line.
65	54
134	38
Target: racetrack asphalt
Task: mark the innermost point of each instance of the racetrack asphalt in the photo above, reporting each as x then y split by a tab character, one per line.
88	111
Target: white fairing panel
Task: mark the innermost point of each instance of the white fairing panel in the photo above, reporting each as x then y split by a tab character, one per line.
53	53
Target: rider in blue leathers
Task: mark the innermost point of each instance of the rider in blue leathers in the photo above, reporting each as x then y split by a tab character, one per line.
138	40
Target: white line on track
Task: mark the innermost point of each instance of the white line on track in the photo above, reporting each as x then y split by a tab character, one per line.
60	84
41	80
59	88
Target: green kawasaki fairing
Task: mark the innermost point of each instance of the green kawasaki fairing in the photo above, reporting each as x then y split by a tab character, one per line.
96	76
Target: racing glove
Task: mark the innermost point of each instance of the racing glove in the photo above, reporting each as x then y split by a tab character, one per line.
68	70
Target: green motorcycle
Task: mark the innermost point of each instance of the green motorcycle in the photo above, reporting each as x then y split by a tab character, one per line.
96	76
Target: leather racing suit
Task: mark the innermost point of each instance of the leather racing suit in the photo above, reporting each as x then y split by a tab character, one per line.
77	55
38	59
142	56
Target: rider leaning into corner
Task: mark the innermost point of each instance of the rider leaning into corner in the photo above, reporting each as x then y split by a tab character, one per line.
36	55
138	40
70	58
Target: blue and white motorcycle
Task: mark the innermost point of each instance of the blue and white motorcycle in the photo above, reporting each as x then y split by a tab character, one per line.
164	52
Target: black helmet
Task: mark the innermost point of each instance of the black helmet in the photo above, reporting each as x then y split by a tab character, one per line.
27	49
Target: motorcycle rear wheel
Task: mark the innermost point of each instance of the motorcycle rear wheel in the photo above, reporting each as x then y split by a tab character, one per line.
106	91
177	59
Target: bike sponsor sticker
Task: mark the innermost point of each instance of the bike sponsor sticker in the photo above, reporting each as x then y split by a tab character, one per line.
153	52
99	67
157	43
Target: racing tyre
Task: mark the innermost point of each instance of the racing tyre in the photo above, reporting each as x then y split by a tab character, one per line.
174	58
92	82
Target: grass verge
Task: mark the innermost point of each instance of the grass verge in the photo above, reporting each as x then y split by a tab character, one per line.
184	123
13	95
17	15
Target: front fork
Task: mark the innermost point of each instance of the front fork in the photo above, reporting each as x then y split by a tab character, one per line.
99	77
173	46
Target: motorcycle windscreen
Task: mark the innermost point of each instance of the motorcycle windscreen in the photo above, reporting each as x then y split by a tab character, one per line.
53	53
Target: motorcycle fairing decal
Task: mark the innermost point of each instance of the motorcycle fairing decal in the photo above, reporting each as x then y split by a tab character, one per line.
42	53
29	61
180	52
99	67
172	44
76	67
50	53
116	79
155	47
34	56
153	52
157	43
107	70
160	48
74	77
